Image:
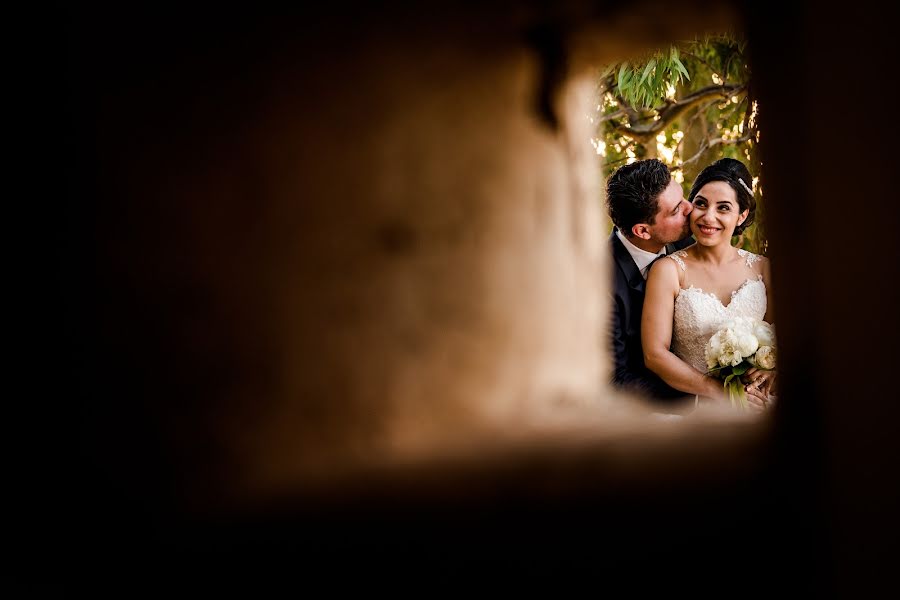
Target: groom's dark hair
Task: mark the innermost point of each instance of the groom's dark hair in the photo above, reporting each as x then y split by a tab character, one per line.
632	193
735	174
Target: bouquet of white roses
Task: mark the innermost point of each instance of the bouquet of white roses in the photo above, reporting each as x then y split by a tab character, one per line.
740	344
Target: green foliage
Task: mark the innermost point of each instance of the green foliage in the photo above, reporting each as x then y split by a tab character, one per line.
636	114
642	85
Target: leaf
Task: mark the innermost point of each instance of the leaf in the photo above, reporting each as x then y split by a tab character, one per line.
714	371
658	78
647	70
679	67
621	79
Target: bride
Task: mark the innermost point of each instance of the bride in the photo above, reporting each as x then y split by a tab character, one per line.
692	295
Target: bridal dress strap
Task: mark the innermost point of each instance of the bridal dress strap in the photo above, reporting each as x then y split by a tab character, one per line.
679	258
749	257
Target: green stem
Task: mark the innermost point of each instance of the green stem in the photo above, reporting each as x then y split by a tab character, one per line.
736	394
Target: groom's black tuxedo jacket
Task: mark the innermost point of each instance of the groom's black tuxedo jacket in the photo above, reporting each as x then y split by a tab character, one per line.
628	302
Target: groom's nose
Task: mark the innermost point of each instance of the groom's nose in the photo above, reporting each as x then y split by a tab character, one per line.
687	208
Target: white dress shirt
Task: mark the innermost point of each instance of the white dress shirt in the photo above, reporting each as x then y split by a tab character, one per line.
641	258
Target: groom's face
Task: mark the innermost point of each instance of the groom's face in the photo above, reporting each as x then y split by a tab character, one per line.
671	222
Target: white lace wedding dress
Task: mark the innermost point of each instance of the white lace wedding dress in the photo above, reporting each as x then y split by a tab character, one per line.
699	314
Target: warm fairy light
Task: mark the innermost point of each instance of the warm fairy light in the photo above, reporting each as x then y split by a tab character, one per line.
661	138
716	79
665	153
678	176
753	112
670	91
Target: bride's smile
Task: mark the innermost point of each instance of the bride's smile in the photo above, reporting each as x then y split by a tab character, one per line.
709	230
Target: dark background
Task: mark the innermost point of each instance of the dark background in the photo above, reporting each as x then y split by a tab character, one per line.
814	508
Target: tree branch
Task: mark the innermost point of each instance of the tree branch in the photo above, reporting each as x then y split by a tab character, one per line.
707	144
697	58
672	110
604	166
613	115
701	112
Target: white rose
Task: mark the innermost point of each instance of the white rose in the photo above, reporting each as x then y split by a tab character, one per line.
765	333
713	350
765	357
728	351
711	359
747	343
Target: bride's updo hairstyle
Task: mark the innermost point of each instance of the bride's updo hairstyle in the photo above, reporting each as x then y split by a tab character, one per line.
734	173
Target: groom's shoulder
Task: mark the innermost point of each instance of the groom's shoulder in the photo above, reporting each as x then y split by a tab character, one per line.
617	253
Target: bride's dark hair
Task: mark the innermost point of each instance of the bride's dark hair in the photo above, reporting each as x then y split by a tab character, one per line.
732	172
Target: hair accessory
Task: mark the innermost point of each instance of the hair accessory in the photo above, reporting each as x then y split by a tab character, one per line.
749	191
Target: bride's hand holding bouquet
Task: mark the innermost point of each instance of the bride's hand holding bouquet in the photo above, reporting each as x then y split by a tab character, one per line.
744	347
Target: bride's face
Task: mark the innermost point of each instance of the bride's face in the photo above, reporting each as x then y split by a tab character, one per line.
716	213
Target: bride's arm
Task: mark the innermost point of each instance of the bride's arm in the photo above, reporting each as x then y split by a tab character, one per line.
656	334
761	382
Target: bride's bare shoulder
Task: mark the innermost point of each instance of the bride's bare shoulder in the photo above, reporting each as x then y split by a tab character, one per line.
680	258
666	269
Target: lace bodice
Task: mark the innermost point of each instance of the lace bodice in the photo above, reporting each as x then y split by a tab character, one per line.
699	314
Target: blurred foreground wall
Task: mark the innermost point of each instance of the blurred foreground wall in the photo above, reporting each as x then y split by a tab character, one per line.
325	243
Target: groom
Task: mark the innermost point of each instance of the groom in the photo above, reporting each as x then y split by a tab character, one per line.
650	215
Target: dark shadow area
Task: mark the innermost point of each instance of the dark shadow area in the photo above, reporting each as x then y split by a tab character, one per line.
179	121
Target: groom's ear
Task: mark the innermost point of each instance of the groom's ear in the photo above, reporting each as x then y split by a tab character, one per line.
641	230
